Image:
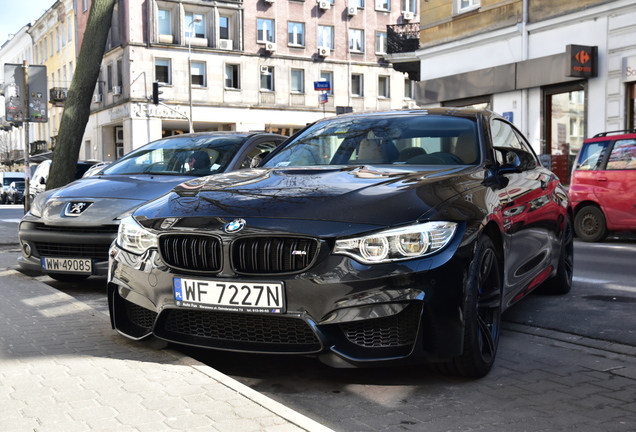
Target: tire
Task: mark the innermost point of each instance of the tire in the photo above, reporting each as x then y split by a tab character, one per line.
589	224
561	282
482	315
62	277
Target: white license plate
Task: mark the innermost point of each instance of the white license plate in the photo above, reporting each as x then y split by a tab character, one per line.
235	296
68	265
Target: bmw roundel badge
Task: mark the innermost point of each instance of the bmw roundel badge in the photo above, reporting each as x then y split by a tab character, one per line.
235	226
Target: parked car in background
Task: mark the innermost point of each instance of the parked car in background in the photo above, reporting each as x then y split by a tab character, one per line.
15	193
603	185
6	178
67	232
41	174
367	239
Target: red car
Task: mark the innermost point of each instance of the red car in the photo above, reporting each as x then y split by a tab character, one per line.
603	185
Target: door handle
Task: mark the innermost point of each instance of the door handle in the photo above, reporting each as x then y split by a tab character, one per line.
601	179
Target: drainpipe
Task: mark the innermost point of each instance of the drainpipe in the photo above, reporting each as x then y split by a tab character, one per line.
525	103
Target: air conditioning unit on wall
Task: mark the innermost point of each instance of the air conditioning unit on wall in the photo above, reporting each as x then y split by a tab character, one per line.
226	44
116	90
352	10
408	15
324	4
97	98
270	46
324	51
264	69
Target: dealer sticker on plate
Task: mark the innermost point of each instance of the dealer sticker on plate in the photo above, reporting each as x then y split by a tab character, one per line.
233	296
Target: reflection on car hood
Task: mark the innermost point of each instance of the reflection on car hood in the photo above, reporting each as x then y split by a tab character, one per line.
369	195
107	197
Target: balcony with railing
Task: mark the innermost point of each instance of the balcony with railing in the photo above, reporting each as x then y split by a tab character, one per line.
57	96
402	40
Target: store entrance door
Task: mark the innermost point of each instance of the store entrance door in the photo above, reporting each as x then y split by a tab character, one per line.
565	107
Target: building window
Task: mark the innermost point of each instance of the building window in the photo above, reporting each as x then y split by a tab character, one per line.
409	89
224	27
162	71
232	76
356	3
383	5
109	77
325	36
85	5
631	106
467	5
356	40
165	25
383	87
328	77
380	42
52	47
298	81
197	70
409	6
356	85
194	25
296	33
265	29
120	74
267	78
70	30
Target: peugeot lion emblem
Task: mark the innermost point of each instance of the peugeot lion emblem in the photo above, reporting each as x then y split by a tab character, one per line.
235	226
76	208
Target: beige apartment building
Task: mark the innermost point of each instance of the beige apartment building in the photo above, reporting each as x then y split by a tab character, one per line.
241	65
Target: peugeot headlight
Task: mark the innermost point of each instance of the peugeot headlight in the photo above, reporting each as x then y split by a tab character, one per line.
135	238
398	244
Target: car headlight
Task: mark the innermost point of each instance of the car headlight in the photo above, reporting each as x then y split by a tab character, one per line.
398	244
135	238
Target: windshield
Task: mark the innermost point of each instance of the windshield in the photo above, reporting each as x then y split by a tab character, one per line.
591	155
403	139
188	155
6	181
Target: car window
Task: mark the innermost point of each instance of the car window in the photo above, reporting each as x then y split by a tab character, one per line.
257	153
591	155
404	140
187	155
623	155
506	137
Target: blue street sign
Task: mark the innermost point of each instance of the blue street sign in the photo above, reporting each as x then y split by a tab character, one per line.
509	115
323	98
322	85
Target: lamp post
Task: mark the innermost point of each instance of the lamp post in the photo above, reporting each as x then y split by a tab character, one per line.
195	20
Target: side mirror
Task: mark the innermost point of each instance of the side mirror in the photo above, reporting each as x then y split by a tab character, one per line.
42	181
509	161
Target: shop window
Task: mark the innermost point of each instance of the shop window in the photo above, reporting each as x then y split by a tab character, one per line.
631	106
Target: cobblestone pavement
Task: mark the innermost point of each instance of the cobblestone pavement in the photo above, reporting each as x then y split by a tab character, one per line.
62	368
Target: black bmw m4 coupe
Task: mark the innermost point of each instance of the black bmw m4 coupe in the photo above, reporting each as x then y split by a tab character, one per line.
367	239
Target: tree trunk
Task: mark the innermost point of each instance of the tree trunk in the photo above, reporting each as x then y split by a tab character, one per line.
80	95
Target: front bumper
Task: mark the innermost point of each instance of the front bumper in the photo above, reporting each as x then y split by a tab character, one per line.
342	311
39	240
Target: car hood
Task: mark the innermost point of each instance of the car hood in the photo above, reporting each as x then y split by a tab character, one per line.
106	197
360	195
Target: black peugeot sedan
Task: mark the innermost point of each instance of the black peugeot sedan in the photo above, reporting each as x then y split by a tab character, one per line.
367	239
68	230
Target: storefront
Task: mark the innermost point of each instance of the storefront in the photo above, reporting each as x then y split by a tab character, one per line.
629	80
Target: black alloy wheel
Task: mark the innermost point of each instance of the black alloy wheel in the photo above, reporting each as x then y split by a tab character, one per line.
482	315
590	225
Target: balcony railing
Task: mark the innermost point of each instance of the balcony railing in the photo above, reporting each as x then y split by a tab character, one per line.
58	95
403	38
